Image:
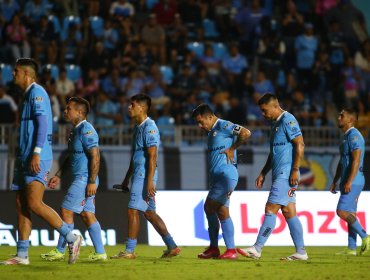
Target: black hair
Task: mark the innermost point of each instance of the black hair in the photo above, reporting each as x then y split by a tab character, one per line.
202	110
352	112
82	102
142	98
29	62
266	98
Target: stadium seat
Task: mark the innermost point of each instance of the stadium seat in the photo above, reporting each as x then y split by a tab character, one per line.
73	72
150	4
6	73
210	29
196	47
66	22
167	74
219	50
55	21
54	70
97	25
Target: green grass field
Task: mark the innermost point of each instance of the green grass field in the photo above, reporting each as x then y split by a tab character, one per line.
323	264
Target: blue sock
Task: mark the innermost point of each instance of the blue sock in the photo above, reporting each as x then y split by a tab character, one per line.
22	248
168	240
296	232
130	245
95	235
228	233
352	238
213	229
62	242
267	227
356	226
66	232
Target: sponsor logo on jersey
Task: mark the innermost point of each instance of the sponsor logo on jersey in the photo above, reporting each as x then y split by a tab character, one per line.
90	132
153	131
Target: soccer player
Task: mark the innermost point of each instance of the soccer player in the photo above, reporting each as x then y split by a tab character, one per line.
224	138
33	164
84	160
143	174
286	152
352	180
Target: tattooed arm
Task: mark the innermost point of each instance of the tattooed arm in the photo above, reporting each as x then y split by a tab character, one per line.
94	164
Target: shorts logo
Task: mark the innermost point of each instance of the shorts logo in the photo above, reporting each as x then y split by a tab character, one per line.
83	202
291	192
46	176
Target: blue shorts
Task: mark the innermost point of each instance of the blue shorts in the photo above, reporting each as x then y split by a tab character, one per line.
222	183
23	176
348	201
76	200
139	196
282	193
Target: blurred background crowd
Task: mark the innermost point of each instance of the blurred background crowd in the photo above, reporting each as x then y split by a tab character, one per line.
314	55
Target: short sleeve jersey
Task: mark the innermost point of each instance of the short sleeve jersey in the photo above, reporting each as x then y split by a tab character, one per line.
283	131
220	137
82	138
351	141
36	102
145	135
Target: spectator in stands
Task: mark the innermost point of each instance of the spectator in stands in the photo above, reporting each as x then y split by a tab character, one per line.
191	15
112	84
321	72
204	88
351	78
143	58
96	59
44	42
304	110
70	8
8	108
33	11
182	85
134	83
262	84
212	64
65	88
176	35
110	38
362	61
165	11
248	20
121	8
88	87
8	9
306	46
72	46
17	39
154	37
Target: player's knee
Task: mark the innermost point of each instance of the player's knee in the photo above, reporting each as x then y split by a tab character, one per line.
88	217
150	215
35	205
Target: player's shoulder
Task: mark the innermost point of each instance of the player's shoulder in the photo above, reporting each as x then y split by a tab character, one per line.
225	124
37	89
355	135
87	129
150	125
289	119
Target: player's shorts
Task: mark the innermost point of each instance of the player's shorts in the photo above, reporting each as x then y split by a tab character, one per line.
282	193
23	175
348	201
222	183
76	200
139	196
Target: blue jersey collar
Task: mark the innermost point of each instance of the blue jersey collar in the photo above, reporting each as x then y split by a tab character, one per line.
80	123
147	118
348	130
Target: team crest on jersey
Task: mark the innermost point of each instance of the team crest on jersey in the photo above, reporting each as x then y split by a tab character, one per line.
152	131
39	99
214	133
354	138
227	125
291	192
89	132
276	129
291	123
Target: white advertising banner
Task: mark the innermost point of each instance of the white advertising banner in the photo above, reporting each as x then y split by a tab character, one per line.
182	211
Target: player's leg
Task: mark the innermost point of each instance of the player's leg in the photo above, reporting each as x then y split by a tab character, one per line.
296	232
137	204
24	225
160	227
346	210
94	229
57	254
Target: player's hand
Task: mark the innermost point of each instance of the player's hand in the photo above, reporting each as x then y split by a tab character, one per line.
90	190
259	181
35	164
347	187
333	188
229	155
151	189
294	177
53	182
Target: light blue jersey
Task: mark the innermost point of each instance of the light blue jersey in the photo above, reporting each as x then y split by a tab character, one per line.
36	102
145	135
82	138
283	131
220	138
352	140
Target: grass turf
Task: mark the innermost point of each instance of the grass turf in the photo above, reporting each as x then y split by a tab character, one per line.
323	264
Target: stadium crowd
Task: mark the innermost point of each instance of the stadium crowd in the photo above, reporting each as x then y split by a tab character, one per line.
314	55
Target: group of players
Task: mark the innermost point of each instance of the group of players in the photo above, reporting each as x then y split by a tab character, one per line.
286	151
